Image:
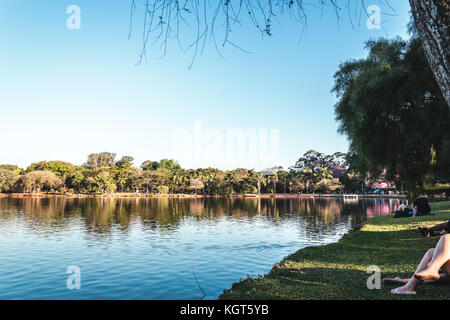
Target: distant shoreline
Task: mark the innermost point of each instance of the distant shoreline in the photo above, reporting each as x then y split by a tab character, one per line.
193	196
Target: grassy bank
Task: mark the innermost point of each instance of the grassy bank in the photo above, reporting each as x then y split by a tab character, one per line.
338	271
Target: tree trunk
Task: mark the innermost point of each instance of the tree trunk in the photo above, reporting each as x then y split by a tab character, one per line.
432	19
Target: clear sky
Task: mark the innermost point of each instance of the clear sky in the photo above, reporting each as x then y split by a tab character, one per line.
67	93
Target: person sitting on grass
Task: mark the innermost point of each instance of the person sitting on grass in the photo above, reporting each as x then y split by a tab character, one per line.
421	207
402	207
435	266
402	211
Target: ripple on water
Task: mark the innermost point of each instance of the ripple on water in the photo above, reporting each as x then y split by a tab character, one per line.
148	250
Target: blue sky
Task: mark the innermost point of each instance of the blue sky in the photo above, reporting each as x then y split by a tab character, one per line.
67	93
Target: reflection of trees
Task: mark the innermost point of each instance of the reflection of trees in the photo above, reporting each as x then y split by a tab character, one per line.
318	215
37	212
101	215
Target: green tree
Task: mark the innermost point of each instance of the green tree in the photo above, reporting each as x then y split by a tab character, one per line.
284	179
136	179
37	181
163	189
150	165
100	160
76	179
329	185
170	165
393	112
105	182
122	173
92	161
257	179
7	180
196	185
36	166
352	181
11	167
60	168
153	179
273	180
125	161
297	183
106	159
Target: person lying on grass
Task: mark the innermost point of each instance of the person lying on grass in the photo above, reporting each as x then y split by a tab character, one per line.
435	266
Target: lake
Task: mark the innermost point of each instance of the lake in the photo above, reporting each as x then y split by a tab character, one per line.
156	248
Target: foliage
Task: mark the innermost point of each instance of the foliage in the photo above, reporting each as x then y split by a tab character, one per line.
169	165
100	160
150	165
438	188
317	171
11	167
7	180
329	185
196	185
394	114
105	182
352	181
313	172
163	189
37	181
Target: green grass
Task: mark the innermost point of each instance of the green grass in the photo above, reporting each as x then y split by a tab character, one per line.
338	271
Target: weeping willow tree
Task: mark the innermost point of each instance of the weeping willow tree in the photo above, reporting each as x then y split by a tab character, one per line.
391	109
198	22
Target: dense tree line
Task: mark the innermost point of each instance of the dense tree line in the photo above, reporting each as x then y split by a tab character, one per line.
102	173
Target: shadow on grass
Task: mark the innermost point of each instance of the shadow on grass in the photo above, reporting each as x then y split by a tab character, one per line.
339	271
324	284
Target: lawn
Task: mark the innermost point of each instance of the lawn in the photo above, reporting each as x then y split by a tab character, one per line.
339	270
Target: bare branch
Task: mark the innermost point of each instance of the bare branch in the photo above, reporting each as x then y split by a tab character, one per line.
198	20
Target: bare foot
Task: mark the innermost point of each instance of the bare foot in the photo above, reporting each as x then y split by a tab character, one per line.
427	275
395	280
403	291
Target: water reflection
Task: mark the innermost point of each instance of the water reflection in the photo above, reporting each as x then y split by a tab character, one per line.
226	239
101	215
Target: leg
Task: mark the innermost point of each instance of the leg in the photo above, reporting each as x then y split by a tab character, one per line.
398	280
438	228
445	272
433	231
440	258
410	286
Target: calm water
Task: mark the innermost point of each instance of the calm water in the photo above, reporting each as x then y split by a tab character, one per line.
147	248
